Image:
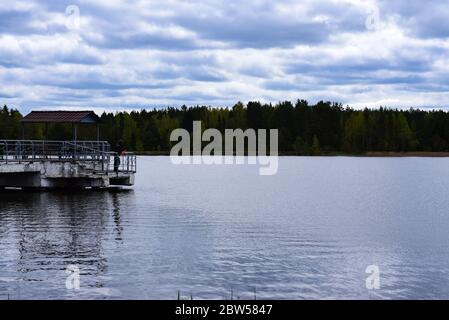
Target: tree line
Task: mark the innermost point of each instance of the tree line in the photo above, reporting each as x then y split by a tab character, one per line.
304	129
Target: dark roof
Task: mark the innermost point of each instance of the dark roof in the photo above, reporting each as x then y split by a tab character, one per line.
61	117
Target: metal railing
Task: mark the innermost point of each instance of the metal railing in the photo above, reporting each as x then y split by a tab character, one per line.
97	153
127	162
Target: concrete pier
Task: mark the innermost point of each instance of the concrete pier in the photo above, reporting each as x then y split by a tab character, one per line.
65	164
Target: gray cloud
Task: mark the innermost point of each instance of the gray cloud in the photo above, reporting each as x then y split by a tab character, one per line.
426	19
259	34
28	21
215	52
144	40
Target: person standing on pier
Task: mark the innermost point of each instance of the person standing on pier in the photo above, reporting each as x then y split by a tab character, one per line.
119	150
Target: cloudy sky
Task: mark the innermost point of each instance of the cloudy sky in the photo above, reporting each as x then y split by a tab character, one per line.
118	54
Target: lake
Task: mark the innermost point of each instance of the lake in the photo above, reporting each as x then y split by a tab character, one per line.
308	232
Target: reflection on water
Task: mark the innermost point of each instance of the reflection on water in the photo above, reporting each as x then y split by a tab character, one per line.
308	232
43	232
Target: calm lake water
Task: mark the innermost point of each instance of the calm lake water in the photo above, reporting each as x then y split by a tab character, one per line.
308	232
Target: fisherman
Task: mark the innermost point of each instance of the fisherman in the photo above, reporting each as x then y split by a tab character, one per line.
119	150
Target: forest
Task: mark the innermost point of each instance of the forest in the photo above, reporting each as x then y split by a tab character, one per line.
304	129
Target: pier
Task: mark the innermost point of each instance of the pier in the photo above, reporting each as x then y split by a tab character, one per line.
45	164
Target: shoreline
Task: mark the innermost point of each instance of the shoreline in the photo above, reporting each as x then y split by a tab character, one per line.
370	154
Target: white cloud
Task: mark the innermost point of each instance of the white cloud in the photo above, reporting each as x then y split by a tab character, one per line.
212	52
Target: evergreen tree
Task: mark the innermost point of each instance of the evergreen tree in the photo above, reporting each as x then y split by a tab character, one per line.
304	129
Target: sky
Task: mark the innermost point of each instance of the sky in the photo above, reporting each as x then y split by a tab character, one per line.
124	55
